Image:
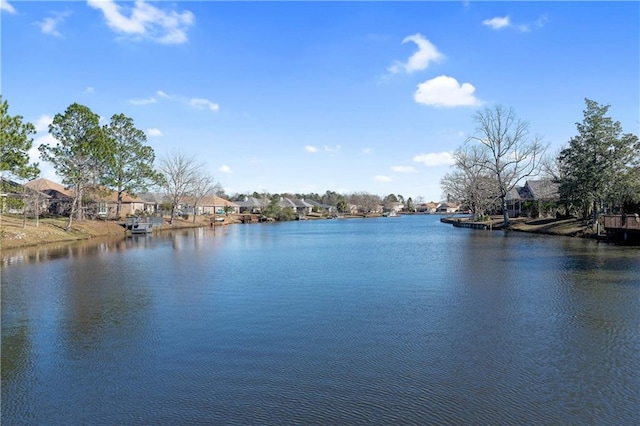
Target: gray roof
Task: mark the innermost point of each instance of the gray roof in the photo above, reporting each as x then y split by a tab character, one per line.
249	202
316	204
300	203
542	189
287	202
517	193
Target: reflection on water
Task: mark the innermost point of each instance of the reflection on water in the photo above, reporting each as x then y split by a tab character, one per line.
361	321
180	237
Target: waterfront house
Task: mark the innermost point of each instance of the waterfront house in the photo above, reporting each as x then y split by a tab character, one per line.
430	207
450	207
319	207
531	198
300	207
209	205
106	204
252	205
58	196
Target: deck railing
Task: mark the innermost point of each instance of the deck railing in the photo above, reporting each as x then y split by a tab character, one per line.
630	221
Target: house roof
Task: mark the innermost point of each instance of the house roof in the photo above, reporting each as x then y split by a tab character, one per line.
319	205
517	193
212	200
300	203
249	202
42	184
151	197
111	196
287	202
542	189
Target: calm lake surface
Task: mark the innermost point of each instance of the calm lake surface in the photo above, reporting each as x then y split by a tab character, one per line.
385	320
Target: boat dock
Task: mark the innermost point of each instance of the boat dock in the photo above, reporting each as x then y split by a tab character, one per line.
622	227
141	225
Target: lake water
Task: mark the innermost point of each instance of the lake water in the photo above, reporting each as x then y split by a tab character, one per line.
386	320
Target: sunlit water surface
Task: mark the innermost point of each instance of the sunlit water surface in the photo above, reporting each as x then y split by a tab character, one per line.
386	320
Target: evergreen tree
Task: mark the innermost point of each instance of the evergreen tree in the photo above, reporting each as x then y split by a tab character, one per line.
600	164
80	154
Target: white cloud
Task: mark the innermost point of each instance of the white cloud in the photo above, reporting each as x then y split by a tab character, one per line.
435	159
154	132
367	151
382	178
200	103
42	123
497	23
6	7
444	91
46	169
404	169
420	60
330	149
162	94
225	169
145	101
89	89
50	24
310	148
145	21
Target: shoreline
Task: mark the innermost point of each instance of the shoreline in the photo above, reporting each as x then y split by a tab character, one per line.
51	230
575	228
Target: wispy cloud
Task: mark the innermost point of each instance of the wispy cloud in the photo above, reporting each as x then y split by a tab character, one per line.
435	159
498	23
331	149
89	89
145	101
49	25
154	133
421	59
6	7
201	103
225	169
445	91
381	178
367	151
144	21
310	148
196	103
404	169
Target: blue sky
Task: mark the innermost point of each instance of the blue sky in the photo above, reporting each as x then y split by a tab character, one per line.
315	96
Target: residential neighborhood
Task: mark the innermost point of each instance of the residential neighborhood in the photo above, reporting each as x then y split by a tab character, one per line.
535	198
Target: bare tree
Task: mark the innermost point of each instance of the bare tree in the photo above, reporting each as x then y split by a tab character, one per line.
179	174
202	187
470	182
512	155
34	199
367	203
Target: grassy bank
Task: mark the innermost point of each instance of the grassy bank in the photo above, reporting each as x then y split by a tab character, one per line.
52	230
563	227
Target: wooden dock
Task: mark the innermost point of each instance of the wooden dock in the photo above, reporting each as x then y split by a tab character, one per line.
622	227
463	222
250	218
